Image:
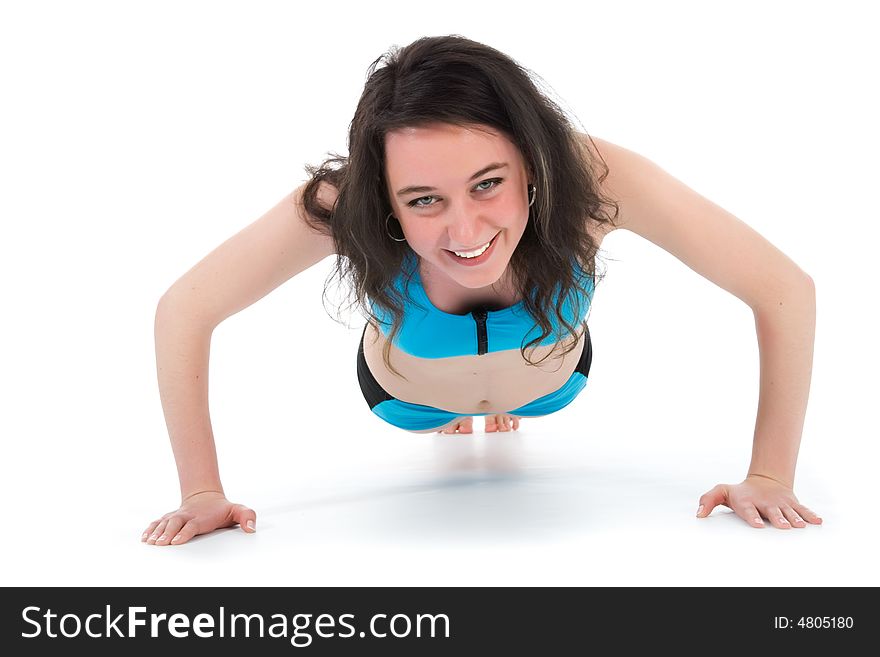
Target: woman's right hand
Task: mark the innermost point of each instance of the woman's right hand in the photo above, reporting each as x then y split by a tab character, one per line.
199	513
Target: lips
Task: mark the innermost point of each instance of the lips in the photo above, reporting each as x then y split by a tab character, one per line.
478	260
474	248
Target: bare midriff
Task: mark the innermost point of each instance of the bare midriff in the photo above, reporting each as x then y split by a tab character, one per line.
497	382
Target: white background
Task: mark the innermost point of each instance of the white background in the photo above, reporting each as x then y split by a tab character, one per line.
136	137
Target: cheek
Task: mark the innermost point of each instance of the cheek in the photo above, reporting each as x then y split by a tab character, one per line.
519	219
423	240
517	212
421	234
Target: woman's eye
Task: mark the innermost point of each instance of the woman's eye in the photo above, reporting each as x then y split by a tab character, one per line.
415	202
495	183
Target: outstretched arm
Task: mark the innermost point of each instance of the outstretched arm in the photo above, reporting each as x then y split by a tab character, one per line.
786	330
726	251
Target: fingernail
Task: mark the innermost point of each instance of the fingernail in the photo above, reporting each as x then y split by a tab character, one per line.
176	538
700	510
144	535
759	521
250	525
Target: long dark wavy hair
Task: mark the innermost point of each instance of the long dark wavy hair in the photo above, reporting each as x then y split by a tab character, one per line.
454	80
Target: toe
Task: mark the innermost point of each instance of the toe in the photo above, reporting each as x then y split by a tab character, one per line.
464	425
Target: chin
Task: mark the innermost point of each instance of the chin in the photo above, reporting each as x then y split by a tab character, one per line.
477	278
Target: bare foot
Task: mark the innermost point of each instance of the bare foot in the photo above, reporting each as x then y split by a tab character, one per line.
463	426
501	422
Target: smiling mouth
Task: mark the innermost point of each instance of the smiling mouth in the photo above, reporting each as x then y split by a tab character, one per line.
484	249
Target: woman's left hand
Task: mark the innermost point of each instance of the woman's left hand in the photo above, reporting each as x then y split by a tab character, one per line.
757	496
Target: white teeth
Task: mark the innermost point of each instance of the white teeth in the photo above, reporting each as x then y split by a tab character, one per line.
472	254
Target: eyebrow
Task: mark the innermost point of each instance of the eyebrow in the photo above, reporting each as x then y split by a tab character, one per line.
422	188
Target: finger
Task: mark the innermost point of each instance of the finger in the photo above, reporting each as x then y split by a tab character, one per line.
186	532
750	514
777	518
243	515
157	532
710	500
793	516
515	422
505	423
149	530
808	515
171	528
491	424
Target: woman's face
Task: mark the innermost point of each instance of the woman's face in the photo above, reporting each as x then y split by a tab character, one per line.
459	206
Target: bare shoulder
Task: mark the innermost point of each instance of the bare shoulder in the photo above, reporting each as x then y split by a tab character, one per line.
625	167
601	151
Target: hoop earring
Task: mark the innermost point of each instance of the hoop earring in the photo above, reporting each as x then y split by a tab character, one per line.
388	233
533	193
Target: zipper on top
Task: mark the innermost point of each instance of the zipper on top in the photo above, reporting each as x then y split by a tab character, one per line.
482	335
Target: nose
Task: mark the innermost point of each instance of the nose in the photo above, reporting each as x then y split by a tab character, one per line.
465	227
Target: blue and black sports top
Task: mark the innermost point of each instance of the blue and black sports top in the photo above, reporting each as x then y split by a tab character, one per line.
428	332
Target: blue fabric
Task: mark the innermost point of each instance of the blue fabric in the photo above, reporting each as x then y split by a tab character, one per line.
428	332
